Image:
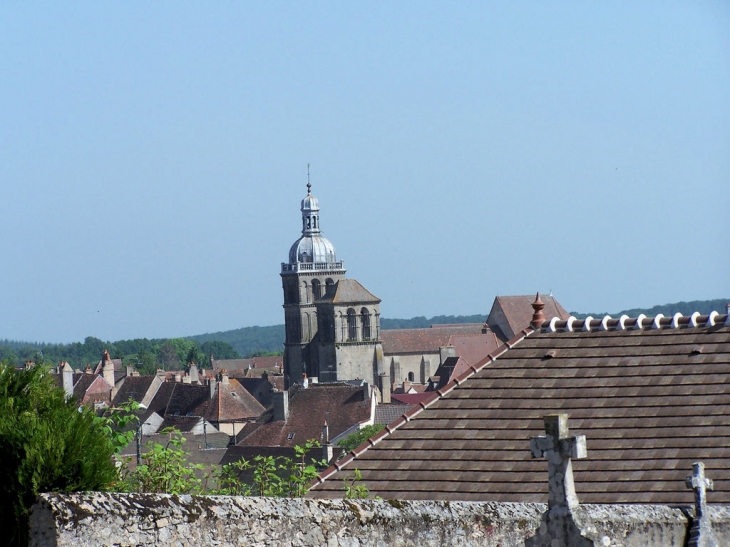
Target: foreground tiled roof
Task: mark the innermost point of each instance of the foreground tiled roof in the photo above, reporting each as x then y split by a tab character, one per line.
415	341
651	396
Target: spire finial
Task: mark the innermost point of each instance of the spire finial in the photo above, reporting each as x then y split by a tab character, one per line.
538	317
309	184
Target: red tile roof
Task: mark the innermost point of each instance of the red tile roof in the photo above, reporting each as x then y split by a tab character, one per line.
651	401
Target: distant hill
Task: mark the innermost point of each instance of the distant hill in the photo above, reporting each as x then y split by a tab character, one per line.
248	340
704	307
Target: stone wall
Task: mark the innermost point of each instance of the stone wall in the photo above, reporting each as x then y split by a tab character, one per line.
130	520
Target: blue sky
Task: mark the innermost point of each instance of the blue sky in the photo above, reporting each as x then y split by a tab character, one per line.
153	157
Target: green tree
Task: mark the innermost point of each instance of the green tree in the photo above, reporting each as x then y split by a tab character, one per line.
46	444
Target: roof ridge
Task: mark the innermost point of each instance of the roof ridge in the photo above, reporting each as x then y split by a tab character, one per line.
641	322
421	406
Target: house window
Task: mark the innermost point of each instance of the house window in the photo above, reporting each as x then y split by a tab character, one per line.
365	320
290	436
351	325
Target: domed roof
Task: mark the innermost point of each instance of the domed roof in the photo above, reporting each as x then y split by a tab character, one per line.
312	246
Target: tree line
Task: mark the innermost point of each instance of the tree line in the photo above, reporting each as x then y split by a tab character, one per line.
145	355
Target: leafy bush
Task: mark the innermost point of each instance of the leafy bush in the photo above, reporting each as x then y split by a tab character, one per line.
47	443
356	439
164	469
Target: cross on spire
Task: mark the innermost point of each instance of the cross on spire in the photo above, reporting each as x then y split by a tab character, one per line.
558	448
309	184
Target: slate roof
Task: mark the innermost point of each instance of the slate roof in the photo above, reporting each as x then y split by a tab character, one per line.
417	341
341	406
651	397
349	291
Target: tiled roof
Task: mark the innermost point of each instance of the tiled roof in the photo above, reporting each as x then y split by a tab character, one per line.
474	347
429	340
231	402
185	399
349	291
518	311
651	400
341	406
270	362
411	398
133	387
386	414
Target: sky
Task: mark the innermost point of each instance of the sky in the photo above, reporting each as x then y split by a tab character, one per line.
153	156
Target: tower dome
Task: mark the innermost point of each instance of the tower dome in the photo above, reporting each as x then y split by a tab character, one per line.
312	247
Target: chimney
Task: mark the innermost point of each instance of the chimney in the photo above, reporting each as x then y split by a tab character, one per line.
327	449
281	406
67	374
325	433
107	369
385	388
538	317
406	386
366	393
305	380
193	372
212	385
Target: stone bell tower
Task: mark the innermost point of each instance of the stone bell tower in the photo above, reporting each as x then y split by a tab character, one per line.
311	272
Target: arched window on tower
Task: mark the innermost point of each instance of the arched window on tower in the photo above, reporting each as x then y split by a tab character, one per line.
365	321
351	325
329	286
316	289
411	376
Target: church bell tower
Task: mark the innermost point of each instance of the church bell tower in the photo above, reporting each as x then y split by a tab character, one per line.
312	271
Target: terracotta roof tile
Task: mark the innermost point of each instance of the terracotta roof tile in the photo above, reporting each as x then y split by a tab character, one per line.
647	404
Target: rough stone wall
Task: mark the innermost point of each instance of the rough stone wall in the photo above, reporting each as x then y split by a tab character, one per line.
126	520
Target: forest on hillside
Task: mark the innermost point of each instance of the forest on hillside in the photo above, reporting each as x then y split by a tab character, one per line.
173	353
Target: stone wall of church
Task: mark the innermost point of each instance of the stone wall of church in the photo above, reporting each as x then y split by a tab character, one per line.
127	520
422	366
358	361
